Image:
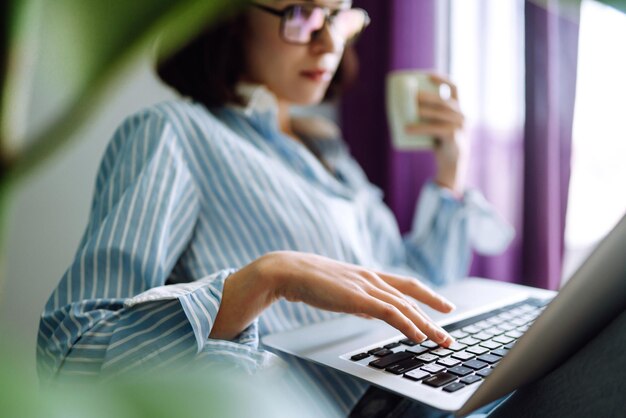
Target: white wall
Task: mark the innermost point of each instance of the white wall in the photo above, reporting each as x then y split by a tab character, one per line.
49	210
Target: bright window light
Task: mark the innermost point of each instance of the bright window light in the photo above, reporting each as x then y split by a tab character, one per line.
597	189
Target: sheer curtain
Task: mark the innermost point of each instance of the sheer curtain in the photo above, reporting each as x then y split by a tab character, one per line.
487	63
599	143
515	64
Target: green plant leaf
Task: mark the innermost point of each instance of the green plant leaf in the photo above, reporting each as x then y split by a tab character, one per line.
77	47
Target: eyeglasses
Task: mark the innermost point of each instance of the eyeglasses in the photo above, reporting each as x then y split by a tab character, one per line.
300	23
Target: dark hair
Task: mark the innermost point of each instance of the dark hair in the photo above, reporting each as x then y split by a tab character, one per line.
208	67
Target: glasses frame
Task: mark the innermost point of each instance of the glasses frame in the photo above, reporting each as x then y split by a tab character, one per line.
329	15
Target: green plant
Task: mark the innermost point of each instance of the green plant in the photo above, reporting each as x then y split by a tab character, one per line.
80	46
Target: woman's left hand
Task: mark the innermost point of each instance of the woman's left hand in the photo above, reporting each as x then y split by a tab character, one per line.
442	118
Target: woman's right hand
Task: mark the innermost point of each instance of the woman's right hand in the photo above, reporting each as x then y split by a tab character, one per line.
330	285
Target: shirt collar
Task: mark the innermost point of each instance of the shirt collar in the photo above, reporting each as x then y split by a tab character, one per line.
257	99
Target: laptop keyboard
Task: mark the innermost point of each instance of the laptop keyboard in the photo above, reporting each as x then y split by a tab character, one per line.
481	342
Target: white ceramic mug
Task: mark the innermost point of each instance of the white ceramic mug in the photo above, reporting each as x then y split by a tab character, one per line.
402	109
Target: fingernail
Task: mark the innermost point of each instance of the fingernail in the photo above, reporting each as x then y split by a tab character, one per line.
449	304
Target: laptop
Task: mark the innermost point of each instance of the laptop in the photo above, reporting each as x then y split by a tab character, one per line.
507	335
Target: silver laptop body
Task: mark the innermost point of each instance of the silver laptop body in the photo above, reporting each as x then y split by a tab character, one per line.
594	295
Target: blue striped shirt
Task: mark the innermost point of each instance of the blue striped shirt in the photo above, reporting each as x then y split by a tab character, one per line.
184	197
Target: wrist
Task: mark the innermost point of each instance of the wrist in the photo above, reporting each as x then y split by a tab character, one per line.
450	187
268	267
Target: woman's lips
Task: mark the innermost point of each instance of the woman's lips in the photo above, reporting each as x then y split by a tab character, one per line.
317	75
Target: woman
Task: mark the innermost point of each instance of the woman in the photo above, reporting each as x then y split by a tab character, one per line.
221	218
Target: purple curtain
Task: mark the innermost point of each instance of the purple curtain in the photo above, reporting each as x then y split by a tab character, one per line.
402	36
551	62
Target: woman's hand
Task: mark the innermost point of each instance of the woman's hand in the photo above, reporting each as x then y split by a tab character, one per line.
330	285
442	118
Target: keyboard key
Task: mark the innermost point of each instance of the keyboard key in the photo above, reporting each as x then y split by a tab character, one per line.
494	331
460	370
439	380
482	336
382	353
518	322
359	356
374	350
449	362
469	341
514	334
482	324
492	345
471	329
489	358
475	364
387	361
472	378
523	328
418	349
427	358
495	320
463	355
408	342
429	344
441	352
392	345
458	334
509	346
484	372
416	375
404	366
507	316
517	311
503	339
507	326
456	346
478	350
500	352
453	387
433	368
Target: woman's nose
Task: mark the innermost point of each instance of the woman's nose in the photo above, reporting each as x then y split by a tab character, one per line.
327	41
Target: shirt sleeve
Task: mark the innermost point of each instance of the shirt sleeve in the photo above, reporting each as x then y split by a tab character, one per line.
112	310
446	229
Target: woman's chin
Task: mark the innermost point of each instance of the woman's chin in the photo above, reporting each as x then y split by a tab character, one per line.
309	99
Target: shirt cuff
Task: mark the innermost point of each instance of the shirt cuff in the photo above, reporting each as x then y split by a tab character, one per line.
489	233
199	299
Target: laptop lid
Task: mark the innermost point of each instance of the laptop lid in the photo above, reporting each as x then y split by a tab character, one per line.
594	296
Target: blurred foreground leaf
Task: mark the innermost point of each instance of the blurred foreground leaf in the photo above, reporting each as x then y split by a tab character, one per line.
214	392
77	47
74	49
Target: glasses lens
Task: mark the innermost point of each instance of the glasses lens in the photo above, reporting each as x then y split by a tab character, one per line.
349	23
301	21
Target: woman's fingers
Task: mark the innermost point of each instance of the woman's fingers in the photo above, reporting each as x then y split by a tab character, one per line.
377	281
414	288
434	332
433	99
439	116
438	130
434	108
440	79
389	313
